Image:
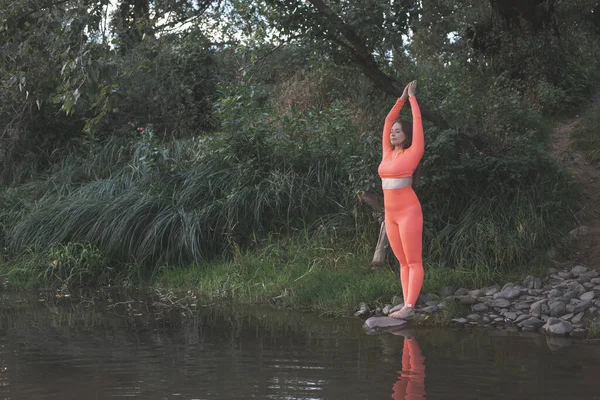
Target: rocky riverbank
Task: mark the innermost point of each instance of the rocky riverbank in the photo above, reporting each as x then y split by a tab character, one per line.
565	302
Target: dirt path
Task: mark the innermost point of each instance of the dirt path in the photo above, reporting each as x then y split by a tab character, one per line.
587	251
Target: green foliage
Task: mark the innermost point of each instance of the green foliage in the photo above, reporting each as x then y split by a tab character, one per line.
586	135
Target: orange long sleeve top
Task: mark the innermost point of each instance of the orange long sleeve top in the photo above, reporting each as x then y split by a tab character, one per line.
402	163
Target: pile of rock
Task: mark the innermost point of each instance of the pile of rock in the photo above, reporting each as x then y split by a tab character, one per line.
562	303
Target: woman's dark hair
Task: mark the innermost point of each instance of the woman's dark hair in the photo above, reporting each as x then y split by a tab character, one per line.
407	129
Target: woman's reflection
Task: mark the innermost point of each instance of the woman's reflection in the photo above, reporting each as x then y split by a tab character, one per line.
411	382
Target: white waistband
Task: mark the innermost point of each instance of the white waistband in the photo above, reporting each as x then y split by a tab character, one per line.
396	183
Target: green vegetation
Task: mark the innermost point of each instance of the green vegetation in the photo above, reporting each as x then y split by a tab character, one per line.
142	155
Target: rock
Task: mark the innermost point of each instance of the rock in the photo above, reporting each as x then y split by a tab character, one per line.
480	307
589	275
597	303
578	270
557	342
425	297
509	293
536	308
432	303
554	293
460	320
588	285
597	288
577	319
462	292
378	312
447	291
584	305
571	294
595	281
556	326
532	322
587	296
477	293
556	277
498	303
396	300
528	282
485	319
386	309
522	317
579	333
492	291
576	286
537	283
535	292
474	317
563	275
570	308
529	329
557	309
383	323
567	317
510	315
551	271
430	310
507	285
467	300
523	306
499	319
363	310
545	317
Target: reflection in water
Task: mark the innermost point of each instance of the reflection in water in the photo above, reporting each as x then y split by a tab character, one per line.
123	345
411	382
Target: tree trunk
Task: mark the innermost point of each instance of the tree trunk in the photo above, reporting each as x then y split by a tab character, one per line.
381	248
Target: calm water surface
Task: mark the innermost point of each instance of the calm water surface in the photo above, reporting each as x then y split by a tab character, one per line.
126	346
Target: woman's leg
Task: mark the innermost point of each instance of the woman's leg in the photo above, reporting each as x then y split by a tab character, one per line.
411	237
393	233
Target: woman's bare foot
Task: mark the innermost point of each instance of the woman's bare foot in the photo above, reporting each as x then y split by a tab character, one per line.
404	313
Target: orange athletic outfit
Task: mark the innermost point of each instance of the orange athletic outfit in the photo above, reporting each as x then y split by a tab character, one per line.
403	214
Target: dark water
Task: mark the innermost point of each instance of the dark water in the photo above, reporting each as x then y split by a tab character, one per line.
69	348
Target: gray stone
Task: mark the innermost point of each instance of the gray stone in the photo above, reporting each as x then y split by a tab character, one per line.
529	329
363	310
492	291
378	312
537	283
578	270
590	275
576	286
567	317
480	307
556	277
574	301
579	333
597	288
528	282
396	300
557	309
509	293
507	285
588	285
383	323
447	291
531	322
523	306
510	315
597	303
554	293
430	310
522	317
536	308
498	319
595	281
432	303
386	309
498	303
550	271
570	308
467	300
477	293
462	292
587	296
571	294
584	305
460	320
556	326
425	297
577	319
545	317
535	292
474	317
563	275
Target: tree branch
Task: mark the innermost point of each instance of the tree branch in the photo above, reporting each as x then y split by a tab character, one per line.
365	61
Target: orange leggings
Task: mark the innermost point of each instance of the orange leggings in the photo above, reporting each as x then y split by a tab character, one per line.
404	228
411	385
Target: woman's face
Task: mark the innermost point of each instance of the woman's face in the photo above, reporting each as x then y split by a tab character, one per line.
397	137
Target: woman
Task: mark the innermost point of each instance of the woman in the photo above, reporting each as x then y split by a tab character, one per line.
403	148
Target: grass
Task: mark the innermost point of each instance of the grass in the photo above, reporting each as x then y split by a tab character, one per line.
587	136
